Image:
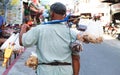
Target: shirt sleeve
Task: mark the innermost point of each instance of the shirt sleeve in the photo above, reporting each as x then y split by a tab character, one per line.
73	34
30	38
74	38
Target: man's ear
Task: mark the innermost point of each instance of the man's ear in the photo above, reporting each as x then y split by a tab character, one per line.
64	15
52	14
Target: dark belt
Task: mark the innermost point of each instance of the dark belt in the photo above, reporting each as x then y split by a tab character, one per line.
55	63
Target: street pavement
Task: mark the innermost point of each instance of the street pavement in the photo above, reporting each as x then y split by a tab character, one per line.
101	59
18	66
96	59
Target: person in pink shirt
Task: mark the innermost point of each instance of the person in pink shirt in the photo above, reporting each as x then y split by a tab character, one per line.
35	11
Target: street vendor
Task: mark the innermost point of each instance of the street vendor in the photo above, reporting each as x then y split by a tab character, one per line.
54	42
55	51
35	11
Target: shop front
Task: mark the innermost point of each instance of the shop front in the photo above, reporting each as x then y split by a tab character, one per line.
115	8
1	8
12	13
115	11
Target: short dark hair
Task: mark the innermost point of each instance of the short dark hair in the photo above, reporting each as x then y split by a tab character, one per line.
58	8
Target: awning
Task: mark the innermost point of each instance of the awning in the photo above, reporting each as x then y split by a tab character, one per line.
115	8
110	1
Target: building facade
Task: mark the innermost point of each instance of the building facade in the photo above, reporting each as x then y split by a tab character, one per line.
95	7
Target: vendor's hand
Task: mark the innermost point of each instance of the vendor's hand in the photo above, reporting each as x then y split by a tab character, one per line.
80	38
83	38
25	27
76	21
40	11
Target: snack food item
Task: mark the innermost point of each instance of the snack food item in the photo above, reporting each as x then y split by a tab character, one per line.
32	62
91	39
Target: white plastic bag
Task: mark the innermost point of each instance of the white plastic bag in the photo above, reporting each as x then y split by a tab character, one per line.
14	38
17	45
95	29
11	39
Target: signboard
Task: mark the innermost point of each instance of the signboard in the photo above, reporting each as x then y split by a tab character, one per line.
14	12
1	8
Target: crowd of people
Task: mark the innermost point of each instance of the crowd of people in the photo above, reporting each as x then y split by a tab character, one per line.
35	12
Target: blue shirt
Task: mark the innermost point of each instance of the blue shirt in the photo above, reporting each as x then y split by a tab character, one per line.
2	21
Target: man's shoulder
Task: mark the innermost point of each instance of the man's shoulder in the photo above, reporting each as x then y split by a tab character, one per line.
39	26
49	25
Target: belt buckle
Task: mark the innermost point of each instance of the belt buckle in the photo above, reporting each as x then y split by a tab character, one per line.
55	63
